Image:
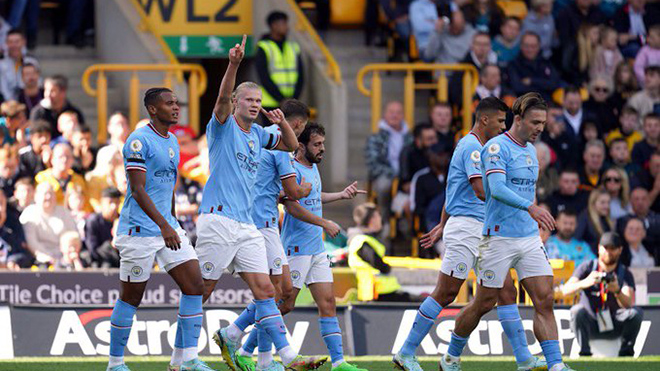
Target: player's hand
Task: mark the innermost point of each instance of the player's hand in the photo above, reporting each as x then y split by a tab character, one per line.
331	228
351	191
172	240
543	217
237	52
594	278
275	116
428	240
306	187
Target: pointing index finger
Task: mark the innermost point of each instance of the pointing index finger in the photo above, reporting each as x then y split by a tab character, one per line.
243	42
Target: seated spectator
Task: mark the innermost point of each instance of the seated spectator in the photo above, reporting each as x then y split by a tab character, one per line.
649	179
118	130
23	194
595	220
598	108
594	158
44	223
562	143
606	287
72	259
75	200
649	55
635	255
31	93
84	155
646	100
490	85
620	157
67	123
10	66
480	55
61	176
568	196
625	85
484	15
548	181
563	244
107	160
383	151
530	72
606	56
441	119
427	189
539	21
12	237
449	43
641	208
413	156
588	132
98	228
575	15
615	182
55	102
8	169
13	122
507	44
423	16
573	114
33	159
627	129
631	22
187	198
576	66
643	150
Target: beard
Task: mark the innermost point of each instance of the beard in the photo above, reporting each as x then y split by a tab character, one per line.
312	158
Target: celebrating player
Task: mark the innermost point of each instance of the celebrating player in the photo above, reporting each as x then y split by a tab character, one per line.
148	230
302	236
511	233
462	223
227	237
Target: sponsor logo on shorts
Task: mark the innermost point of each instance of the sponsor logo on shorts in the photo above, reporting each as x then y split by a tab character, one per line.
208	267
136	271
295	275
489	275
461	267
278	263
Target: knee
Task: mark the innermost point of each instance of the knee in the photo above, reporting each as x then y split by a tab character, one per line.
485	305
507	295
544	301
208	287
132	298
445	296
327	306
637	314
264	290
194	288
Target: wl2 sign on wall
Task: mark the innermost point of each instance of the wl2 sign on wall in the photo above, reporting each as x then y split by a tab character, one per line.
201	28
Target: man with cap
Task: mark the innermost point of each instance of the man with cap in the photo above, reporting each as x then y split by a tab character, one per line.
607	296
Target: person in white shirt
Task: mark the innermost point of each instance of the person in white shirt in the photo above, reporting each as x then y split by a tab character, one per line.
11	66
634	234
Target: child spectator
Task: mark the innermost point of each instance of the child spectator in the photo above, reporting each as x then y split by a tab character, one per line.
649	55
33	159
13	122
75	201
23	194
8	169
607	55
107	160
84	155
98	228
61	175
507	44
620	157
72	259
648	99
625	84
628	128
67	123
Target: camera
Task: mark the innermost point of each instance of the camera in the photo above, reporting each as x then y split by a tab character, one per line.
607	277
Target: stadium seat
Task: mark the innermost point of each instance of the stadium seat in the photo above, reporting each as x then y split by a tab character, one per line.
347	13
558	95
513	8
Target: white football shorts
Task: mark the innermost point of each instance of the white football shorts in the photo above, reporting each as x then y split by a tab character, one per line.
274	250
461	236
309	269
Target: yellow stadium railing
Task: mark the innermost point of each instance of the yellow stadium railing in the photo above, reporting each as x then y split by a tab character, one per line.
196	87
470	81
303	25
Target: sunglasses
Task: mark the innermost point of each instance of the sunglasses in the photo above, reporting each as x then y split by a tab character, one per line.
599	89
615	180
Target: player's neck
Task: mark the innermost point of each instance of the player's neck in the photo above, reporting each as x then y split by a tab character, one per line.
300	157
244	123
516	135
160	127
481	134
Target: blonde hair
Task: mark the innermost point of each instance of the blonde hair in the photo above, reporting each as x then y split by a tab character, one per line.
248	85
594	218
586	49
624	192
70	237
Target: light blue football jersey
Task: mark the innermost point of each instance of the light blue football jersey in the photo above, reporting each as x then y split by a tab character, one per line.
274	166
300	238
503	154
234	156
157	155
465	165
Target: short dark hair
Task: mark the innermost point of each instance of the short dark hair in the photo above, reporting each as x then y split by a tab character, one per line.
82	129
610	239
111	192
15	31
27	180
293	108
629	110
152	95
654	68
58	80
441	104
511	19
569	170
40	126
31	65
567	212
571	90
531	33
617	140
419	128
651	116
490	105
310	129
276	16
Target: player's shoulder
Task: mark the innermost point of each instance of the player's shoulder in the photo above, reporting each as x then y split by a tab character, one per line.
272	129
495	145
138	138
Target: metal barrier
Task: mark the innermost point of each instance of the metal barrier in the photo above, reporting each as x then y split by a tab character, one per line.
470	81
196	88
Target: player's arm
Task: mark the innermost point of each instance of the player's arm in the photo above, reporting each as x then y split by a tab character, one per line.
137	179
297	211
223	107
293	190
347	194
289	141
477	185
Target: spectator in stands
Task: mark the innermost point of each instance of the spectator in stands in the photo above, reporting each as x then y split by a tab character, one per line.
507	44
441	118
31	93
450	41
413	156
480	55
598	108
34	158
44	223
573	114
23	194
423	17
75	200
548	181
108	159
28	9
557	137
631	22
627	129
607	55
427	190
484	15
67	123
641	208
84	155
490	85
383	151
594	158
620	158
61	176
539	21
607	288
11	80
187	198
54	103
563	245
634	254
118	129
625	85
397	21
283	79
649	179
595	220
569	196
576	14
12	236
643	150
615	182
72	259
530	71
648	99
98	228
8	169
13	122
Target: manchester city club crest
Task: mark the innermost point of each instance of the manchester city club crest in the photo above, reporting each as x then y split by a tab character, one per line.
136	271
136	146
171	151
208	267
528	159
461	267
278	263
295	275
489	275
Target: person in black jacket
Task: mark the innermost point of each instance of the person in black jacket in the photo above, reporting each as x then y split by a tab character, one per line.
98	226
530	72
631	35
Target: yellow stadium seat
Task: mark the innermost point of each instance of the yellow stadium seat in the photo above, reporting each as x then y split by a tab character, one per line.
558	95
347	12
513	8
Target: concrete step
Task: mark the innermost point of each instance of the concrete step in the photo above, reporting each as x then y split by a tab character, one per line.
44	52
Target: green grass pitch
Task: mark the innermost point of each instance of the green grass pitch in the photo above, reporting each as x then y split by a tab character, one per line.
370	363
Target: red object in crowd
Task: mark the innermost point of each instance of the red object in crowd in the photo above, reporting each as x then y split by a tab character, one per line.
188	146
